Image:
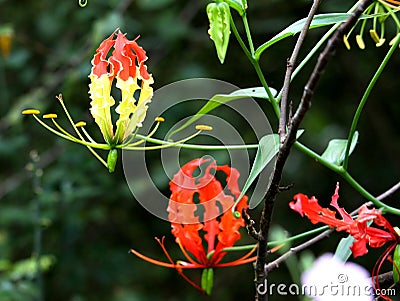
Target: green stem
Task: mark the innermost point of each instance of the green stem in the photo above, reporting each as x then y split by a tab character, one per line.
385	208
364	100
349	179
248	34
256	66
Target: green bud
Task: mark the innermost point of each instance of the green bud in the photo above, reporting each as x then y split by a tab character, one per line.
207	280
220	31
112	159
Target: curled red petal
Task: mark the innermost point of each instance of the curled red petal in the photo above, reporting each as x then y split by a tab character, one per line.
100	62
334	203
317	214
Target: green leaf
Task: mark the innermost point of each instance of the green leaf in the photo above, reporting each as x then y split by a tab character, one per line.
318	21
396	264
219	16
343	251
268	147
207	280
220	99
258	92
336	149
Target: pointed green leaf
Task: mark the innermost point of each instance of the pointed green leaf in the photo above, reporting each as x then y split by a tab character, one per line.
220	99
336	149
268	147
220	30
343	251
318	21
258	92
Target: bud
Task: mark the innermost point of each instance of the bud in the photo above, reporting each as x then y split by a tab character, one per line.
219	17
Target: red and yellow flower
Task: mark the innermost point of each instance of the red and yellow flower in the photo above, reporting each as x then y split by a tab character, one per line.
203	238
127	65
120	61
369	228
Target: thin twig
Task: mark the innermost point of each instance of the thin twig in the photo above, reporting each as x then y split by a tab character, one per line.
274	264
294	123
389	192
289	70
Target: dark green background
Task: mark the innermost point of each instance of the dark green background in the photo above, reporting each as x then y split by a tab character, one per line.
91	217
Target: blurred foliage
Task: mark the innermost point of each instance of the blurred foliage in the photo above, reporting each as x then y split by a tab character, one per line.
91	217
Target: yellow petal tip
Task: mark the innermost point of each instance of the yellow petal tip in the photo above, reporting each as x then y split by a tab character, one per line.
30	112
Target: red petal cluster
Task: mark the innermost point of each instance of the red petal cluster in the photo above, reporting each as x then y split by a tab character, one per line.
362	233
199	210
127	59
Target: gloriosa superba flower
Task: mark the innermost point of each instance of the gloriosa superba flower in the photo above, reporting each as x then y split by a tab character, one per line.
380	11
369	228
125	66
204	240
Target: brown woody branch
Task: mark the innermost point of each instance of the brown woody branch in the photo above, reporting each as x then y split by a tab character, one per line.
290	138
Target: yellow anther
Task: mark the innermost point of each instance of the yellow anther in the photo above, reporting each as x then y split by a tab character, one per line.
374	36
394	39
360	41
202	127
30	112
80	124
346	42
380	43
50	116
159	119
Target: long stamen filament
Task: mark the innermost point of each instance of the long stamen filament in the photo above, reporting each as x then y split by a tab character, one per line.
165	144
188	257
88	136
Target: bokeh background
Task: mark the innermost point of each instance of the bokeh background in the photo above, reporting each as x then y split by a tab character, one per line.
89	218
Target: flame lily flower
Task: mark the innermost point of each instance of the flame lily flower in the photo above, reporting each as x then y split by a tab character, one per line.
203	238
124	65
375	235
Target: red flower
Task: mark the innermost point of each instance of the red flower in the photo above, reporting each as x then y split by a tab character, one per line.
201	219
126	65
358	228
